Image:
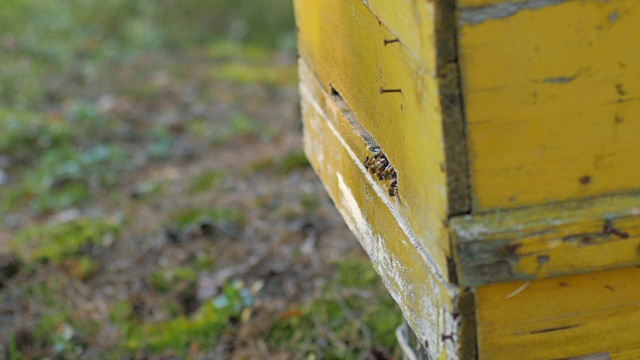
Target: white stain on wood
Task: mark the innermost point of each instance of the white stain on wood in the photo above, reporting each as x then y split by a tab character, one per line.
475	16
426	304
432	316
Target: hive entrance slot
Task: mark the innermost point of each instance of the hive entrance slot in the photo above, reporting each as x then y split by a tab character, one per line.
376	162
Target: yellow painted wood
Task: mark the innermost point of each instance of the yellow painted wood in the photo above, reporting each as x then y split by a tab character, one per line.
560	318
552	240
426	28
431	305
343	43
551	100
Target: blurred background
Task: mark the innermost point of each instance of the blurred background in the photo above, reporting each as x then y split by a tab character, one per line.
155	202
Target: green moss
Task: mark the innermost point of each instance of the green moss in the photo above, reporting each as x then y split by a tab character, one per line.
261	165
64	335
64	197
120	312
189	217
65	176
292	162
203	261
240	73
52	162
309	202
229	50
58	333
347	317
239	125
178	334
165	280
243	125
206	324
12	349
55	243
149	189
356	273
44	292
205	181
161	143
26	135
82	267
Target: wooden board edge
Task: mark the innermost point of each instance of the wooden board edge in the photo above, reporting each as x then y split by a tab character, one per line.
455	142
468	327
547	241
432	306
452	105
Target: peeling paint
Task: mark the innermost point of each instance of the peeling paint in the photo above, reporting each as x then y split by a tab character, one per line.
596	356
472	231
477	15
313	147
564	79
392	206
392	271
427	303
559	80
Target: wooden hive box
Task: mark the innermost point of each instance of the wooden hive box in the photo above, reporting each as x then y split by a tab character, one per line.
513	129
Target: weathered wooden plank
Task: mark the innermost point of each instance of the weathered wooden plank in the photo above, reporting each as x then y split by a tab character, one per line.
425	28
395	100
434	308
552	240
551	99
589	316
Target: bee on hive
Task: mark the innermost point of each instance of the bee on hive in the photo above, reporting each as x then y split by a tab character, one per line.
379	165
393	188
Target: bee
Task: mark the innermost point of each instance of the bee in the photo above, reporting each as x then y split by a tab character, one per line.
379	165
389	173
393	188
382	164
375	163
369	164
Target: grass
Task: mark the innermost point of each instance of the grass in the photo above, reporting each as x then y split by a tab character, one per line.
88	97
184	219
207	323
166	279
344	323
57	242
184	332
293	161
205	181
348	320
238	126
256	73
58	160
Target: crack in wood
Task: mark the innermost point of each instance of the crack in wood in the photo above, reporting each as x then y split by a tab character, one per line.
558	328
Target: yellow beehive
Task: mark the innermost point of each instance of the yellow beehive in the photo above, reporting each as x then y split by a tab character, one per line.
486	153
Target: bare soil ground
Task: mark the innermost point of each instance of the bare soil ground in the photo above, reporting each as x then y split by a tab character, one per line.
212	213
